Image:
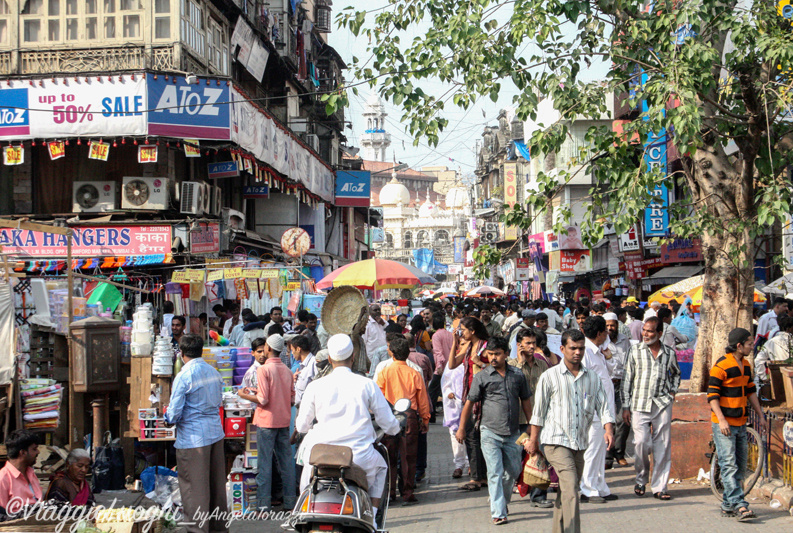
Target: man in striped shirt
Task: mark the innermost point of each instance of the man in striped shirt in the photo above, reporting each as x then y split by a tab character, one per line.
730	390
649	384
567	398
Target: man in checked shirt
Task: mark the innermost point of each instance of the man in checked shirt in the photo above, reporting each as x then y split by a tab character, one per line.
649	385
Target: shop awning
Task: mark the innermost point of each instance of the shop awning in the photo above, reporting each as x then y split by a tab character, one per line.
674	274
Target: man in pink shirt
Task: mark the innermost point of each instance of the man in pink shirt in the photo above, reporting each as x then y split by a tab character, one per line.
275	396
19	485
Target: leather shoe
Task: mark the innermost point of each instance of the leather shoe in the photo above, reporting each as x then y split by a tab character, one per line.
611	497
623	462
542	504
592	499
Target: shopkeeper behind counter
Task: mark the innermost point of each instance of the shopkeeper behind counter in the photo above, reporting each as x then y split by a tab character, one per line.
17	478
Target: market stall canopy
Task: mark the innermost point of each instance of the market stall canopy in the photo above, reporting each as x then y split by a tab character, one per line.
485	290
691	288
781	286
376	274
673	275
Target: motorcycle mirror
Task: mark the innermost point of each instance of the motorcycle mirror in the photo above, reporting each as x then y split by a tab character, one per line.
402	405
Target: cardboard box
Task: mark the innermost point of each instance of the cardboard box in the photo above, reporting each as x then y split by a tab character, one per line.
250	460
242	491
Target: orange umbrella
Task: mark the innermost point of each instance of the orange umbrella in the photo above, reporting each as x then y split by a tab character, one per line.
691	288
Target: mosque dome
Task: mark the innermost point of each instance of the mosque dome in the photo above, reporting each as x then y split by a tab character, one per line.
394	193
457	198
427	209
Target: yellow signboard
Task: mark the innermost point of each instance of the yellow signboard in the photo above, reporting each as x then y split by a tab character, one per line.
232	273
251	273
179	277
293	286
270	273
215	275
195	275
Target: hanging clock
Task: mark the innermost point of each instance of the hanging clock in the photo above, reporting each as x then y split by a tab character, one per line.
295	242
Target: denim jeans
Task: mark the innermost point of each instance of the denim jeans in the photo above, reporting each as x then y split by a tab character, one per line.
268	442
733	454
503	459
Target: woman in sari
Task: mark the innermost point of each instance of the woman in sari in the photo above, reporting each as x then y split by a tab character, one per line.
69	485
468	349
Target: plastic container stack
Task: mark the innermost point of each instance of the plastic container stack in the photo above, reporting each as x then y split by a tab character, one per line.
125	338
243	359
162	358
142	335
220	357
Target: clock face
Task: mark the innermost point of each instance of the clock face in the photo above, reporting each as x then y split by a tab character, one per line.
295	242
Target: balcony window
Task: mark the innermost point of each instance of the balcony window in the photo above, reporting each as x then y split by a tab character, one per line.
90	28
218	52
33	7
90	7
408	240
131	26
32	31
193	26
110	27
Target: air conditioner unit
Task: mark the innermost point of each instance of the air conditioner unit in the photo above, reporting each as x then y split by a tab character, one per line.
217	201
93	196
207	206
192	198
233	219
489	233
313	141
144	193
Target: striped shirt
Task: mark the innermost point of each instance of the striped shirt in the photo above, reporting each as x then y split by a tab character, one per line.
731	383
648	380
564	406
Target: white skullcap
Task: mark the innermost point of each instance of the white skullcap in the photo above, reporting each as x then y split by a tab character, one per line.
276	342
340	347
611	316
655	304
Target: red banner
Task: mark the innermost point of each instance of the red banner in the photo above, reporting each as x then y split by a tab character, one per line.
206	240
89	242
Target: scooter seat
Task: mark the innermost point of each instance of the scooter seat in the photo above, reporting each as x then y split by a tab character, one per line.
329	460
354	474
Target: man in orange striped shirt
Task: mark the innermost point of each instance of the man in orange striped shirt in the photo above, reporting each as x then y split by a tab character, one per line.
730	391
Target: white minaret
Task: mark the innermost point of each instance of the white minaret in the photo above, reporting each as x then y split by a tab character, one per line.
375	141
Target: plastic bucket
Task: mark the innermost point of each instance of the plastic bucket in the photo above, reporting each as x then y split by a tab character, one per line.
138	349
162	370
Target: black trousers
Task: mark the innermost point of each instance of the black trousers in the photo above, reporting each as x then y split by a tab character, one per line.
621	430
474	448
434	389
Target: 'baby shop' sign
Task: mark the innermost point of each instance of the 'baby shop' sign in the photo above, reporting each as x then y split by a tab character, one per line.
89	242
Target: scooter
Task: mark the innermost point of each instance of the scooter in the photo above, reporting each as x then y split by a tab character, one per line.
337	498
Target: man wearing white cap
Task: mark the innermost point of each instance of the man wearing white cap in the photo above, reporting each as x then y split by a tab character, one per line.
341	404
617	346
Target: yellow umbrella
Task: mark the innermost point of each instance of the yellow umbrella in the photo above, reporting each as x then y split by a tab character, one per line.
691	287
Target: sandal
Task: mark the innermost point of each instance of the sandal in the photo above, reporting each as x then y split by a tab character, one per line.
744	513
639	490
727	513
663	496
471	486
499	521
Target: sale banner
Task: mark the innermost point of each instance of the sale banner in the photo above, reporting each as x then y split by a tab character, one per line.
147	153
13	155
192	148
57	150
98	150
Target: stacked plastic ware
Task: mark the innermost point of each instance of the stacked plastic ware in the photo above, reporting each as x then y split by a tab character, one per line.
142	331
243	359
162	358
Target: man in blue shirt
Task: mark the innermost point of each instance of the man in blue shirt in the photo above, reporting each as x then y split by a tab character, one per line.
196	397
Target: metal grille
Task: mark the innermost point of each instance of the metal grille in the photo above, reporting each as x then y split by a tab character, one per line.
774	423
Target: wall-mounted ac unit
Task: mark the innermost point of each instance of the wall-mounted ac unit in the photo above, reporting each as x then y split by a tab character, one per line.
144	193
313	141
192	198
489	233
217	201
233	219
207	207
93	196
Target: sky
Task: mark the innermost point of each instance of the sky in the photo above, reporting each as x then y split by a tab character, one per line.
457	142
456	148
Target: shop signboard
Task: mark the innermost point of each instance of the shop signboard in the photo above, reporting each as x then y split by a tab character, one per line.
539	240
575	261
656	215
459	249
255	191
310	230
455	269
551	241
225	169
71	107
196	111
572	240
682	251
205	240
523	269
510	196
352	188
631	240
98	241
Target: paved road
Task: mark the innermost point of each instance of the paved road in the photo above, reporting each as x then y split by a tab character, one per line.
444	509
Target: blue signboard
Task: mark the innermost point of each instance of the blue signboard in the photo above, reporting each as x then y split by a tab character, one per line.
256	191
352	188
656	215
192	111
14	115
226	169
310	230
459	249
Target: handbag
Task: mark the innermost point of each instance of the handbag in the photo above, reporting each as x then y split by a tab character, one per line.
537	471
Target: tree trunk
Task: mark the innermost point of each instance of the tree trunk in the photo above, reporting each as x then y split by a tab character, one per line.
728	291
